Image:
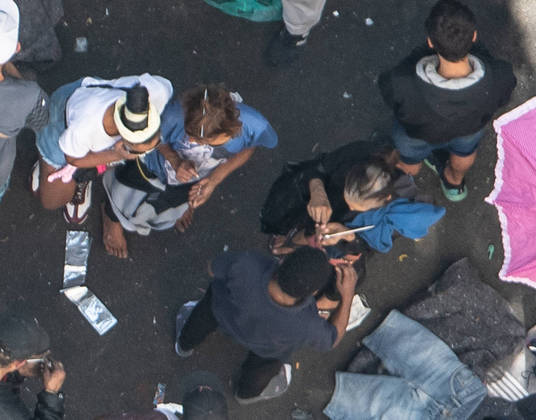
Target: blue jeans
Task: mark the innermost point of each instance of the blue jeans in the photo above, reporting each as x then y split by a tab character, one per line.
47	140
413	151
428	382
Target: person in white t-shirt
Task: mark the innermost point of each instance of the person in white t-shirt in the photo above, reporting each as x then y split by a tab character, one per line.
94	123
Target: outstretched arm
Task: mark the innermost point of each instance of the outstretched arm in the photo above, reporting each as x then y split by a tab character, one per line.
93	159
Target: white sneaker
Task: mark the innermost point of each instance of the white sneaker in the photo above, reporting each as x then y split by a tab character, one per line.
277	386
76	211
34	178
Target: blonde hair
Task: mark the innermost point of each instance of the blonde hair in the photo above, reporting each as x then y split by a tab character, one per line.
368	181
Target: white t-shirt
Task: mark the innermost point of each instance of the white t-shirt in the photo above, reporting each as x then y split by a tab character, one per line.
86	107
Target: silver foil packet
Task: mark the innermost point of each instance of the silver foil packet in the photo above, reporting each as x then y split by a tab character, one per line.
77	245
91	308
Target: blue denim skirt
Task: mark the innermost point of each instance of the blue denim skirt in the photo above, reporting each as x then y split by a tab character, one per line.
47	139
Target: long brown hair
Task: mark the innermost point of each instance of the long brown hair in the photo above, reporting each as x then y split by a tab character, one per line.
209	111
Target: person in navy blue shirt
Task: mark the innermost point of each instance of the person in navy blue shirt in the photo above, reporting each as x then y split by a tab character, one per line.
271	310
204	137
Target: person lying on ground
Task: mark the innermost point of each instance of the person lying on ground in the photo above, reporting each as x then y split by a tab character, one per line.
24	352
23	102
206	135
271	310
444	96
94	122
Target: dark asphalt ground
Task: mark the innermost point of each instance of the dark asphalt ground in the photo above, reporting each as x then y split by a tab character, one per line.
190	42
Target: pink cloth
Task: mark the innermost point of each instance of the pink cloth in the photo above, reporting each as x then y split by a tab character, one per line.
514	193
66	174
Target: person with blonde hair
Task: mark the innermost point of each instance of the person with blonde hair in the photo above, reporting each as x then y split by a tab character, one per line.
357	185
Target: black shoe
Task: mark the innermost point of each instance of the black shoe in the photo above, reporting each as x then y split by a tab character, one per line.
284	47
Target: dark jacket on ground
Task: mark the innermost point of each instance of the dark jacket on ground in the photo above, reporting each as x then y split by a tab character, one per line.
438	115
48	407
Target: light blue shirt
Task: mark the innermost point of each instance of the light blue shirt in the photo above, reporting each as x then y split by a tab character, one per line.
256	131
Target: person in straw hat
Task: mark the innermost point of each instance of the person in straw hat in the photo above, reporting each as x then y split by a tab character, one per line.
207	134
95	123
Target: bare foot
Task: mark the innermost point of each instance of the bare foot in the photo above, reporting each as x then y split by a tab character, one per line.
113	237
185	221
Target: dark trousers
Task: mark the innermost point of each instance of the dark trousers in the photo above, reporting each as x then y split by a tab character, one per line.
256	371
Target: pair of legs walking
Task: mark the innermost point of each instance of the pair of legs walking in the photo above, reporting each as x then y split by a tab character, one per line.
256	372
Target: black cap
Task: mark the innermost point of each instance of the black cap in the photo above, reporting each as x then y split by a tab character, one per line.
203	397
22	337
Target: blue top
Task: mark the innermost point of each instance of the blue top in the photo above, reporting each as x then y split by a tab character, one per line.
408	218
256	131
244	309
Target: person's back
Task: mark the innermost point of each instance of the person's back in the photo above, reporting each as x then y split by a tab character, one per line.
246	311
432	107
23	102
271	310
444	100
453	87
18	98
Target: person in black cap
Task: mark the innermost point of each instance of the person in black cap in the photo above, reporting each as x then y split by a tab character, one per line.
271	310
202	399
24	348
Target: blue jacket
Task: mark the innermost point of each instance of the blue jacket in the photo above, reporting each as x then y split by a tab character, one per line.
408	218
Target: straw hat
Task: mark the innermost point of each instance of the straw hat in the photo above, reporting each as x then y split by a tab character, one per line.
136	127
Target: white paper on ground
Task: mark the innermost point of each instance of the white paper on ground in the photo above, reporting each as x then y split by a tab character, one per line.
358	312
170	410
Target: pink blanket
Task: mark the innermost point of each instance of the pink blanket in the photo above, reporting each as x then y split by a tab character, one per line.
514	193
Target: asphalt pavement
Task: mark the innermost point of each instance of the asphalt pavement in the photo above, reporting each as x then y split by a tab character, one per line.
190	42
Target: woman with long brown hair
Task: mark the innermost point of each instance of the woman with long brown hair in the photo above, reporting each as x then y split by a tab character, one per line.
206	135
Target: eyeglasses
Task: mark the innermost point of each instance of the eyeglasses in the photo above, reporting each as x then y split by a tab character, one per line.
140	153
